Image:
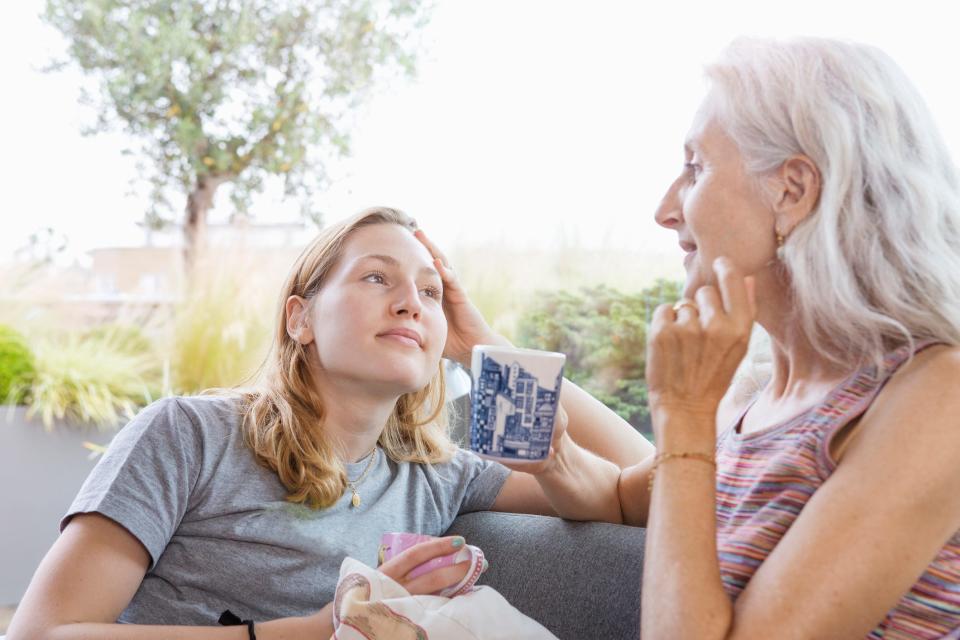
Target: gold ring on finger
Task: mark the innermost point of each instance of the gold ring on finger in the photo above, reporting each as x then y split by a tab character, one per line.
680	304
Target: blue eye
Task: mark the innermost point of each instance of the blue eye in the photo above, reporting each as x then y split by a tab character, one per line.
433	292
377	277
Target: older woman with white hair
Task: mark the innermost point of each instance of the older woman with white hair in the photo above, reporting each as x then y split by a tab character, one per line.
818	200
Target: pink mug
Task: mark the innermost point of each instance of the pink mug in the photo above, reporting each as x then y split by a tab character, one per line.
393	543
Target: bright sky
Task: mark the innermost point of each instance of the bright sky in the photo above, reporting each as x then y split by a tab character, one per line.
538	122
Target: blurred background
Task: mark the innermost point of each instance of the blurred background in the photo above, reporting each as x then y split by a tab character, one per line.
165	161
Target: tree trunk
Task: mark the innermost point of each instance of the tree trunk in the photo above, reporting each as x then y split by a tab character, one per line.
199	202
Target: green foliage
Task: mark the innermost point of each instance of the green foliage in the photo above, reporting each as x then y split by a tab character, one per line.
604	333
95	379
234	90
221	328
16	366
215	335
127	338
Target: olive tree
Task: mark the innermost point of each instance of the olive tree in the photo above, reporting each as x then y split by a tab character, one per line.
217	92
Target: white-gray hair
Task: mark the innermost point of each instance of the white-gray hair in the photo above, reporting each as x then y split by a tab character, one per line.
877	264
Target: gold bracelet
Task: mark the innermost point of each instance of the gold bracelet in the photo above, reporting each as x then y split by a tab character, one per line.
709	458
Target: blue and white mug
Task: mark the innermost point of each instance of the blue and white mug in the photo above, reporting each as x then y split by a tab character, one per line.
514	400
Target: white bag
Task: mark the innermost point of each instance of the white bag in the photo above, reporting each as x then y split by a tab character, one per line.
371	606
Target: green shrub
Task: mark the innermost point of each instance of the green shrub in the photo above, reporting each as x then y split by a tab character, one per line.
603	333
16	366
93	379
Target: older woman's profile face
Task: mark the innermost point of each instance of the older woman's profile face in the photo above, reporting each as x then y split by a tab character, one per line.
715	207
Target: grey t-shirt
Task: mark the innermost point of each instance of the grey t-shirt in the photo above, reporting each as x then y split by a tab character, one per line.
220	532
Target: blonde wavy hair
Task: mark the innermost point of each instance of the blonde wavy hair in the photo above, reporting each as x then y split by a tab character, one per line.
283	414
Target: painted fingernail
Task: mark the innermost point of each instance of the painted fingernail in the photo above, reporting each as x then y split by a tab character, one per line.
458	541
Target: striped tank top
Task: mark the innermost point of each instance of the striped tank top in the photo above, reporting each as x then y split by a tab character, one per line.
765	478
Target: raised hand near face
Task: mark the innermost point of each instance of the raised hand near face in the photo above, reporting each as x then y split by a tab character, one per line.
466	326
695	346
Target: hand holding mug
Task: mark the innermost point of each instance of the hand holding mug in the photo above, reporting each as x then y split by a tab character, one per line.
424	565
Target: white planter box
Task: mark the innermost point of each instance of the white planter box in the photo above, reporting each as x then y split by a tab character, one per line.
40	473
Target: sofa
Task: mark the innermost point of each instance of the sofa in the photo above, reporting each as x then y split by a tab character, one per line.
580	580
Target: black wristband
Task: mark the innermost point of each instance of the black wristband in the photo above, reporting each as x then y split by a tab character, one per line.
230	619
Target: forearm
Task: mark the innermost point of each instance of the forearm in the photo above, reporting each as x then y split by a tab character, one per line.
581	485
634	492
597	428
319	625
682	586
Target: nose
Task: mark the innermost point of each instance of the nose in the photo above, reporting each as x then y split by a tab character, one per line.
407	302
668	213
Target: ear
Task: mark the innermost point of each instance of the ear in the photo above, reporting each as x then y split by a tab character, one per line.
298	320
796	192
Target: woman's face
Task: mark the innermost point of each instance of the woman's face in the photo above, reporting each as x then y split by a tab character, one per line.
716	208
378	320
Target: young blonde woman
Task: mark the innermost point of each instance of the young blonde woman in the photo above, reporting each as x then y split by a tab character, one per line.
249	501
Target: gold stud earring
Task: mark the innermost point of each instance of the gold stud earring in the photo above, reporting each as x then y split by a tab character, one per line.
780	249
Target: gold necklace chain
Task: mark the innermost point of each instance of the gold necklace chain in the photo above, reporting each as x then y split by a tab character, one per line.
353	484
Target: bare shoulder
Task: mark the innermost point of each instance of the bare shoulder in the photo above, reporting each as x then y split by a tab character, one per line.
927	384
915	416
943	357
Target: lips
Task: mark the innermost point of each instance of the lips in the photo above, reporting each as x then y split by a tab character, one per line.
403	335
690	249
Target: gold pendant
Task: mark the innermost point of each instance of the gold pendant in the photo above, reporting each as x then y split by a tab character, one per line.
356	499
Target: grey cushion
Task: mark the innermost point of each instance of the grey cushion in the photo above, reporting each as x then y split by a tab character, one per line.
578	579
